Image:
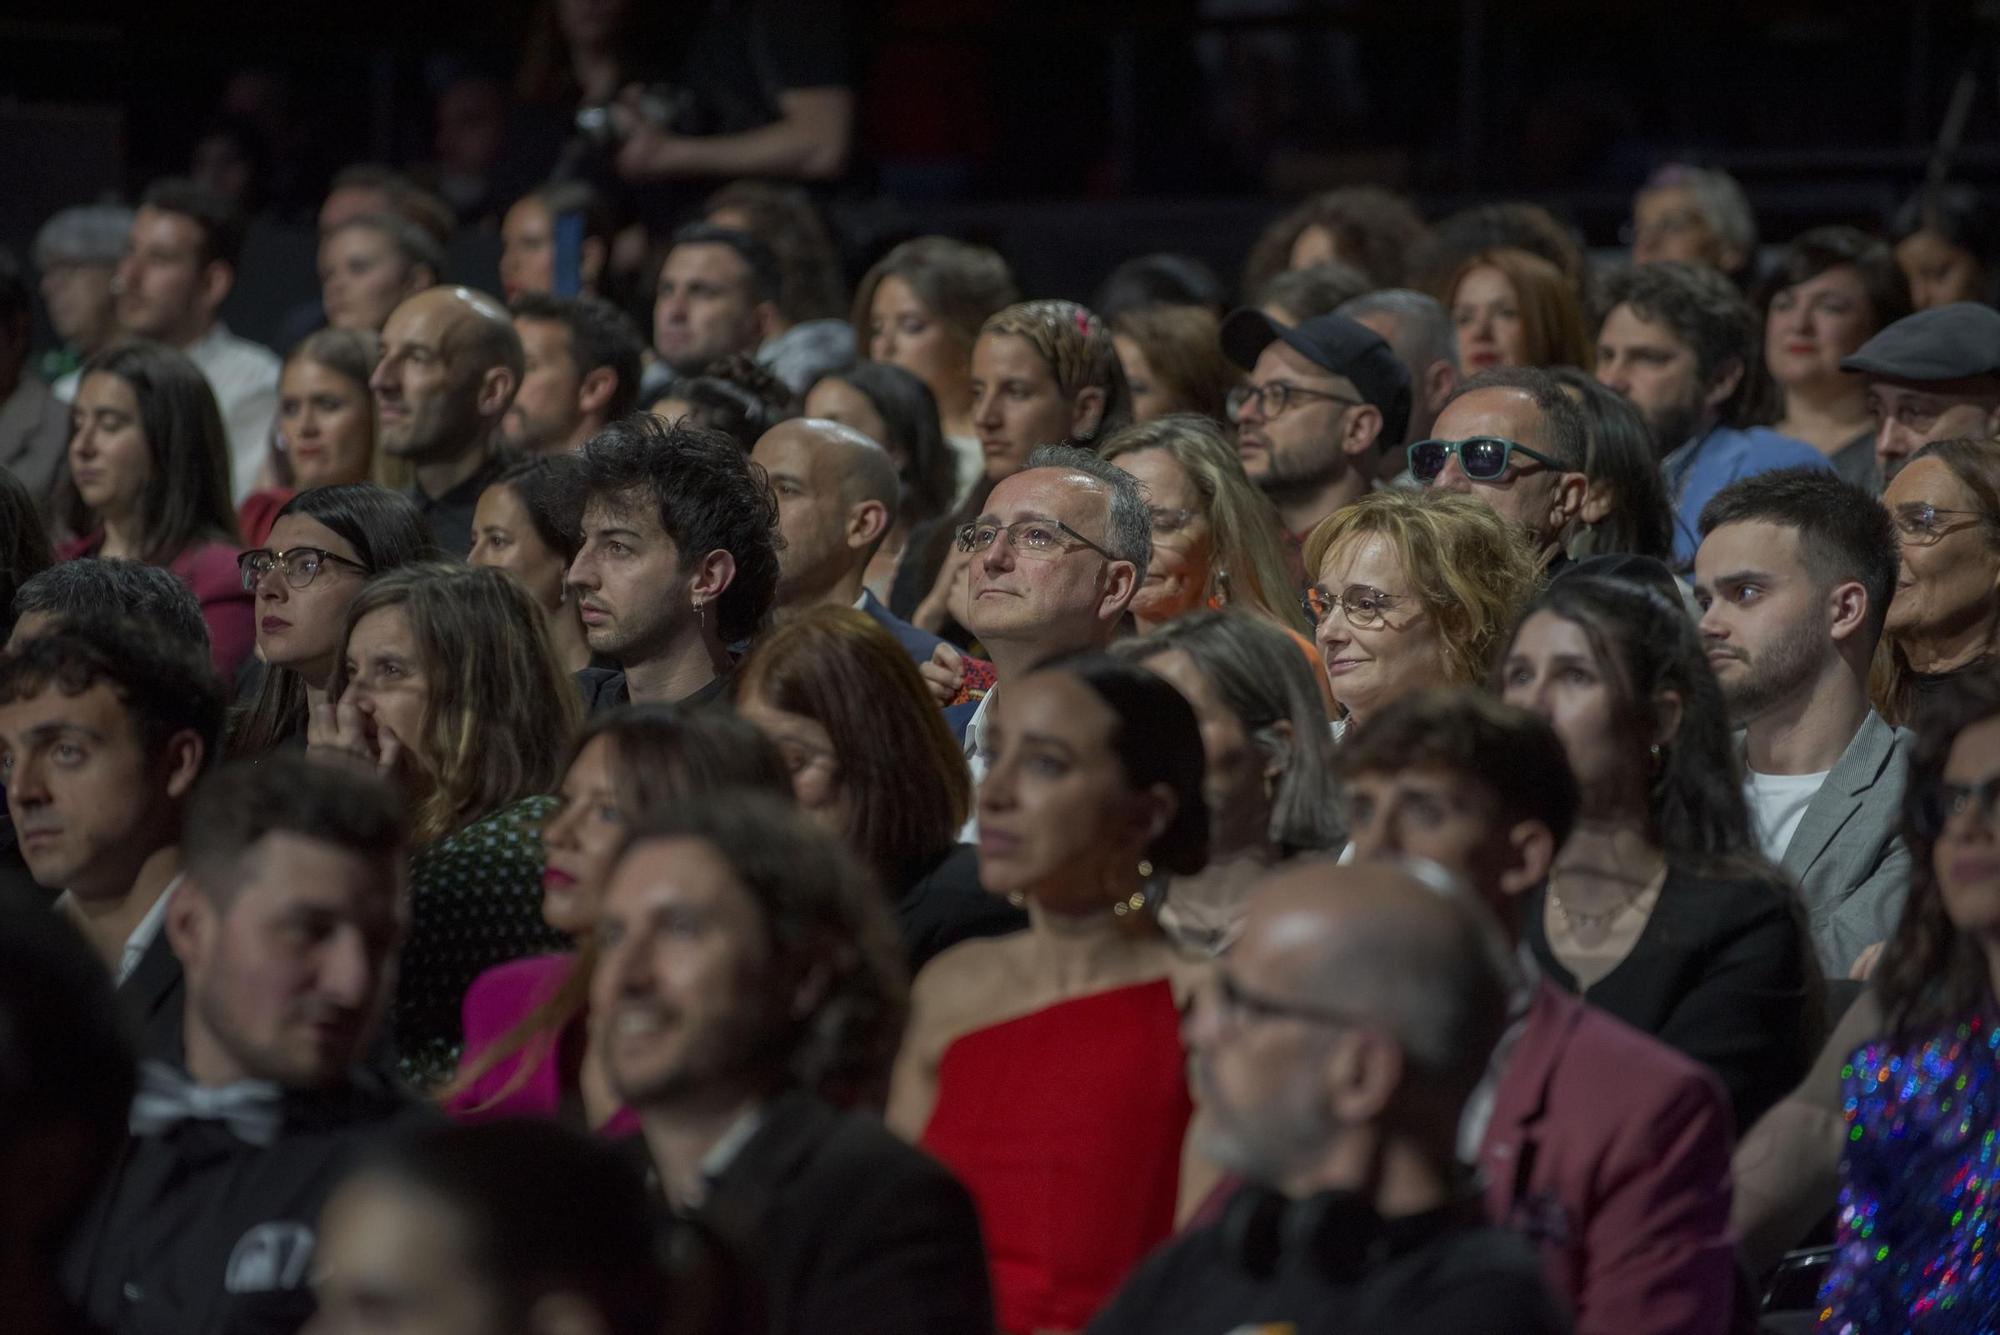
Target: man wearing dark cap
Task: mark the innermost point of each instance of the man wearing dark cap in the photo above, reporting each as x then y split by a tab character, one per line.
1931	376
1324	397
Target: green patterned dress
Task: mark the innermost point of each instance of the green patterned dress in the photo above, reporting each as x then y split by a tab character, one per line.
475	901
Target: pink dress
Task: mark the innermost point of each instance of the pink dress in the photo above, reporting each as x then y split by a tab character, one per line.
498	1000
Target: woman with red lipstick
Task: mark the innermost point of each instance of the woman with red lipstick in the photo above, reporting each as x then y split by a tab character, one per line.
325	428
1834	289
148	480
1660	908
1045	1068
528	1049
325	544
1895	1125
1511	308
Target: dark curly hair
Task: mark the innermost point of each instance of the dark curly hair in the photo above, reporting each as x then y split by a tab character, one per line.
821	912
709	497
1375	230
1931	972
165	684
1706	312
735	396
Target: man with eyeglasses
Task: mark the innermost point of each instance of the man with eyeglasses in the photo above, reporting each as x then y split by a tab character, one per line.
1348	1023
1056	557
1325	396
1931	376
1514	441
1794	577
1605	1147
1680	342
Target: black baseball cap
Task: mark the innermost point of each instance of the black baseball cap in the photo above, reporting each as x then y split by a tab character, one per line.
1956	342
1337	345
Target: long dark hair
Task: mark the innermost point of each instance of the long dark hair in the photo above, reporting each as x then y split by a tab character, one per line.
909	414
1931	972
187	500
24	544
661	755
1644	646
1622	450
386	530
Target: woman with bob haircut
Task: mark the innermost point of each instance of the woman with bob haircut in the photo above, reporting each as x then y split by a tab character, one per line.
872	761
447	682
1511	308
1414	589
148	480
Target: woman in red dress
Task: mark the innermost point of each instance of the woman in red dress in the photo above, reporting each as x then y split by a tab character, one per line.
1046	1068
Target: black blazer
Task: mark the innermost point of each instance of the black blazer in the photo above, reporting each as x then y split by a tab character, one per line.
1723	971
153	997
833	1226
948	905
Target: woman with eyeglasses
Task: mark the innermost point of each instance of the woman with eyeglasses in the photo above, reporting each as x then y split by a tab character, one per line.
148	480
1216	541
529	1049
326	542
1046	1068
446	682
1413	589
1896	1123
1945	615
1268	772
1660	908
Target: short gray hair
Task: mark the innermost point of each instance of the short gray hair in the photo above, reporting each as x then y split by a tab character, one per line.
1128	522
1430	336
1721	200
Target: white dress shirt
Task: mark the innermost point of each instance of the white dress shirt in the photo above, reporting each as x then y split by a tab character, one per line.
143	932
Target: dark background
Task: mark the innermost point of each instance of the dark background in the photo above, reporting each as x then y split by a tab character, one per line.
1074	134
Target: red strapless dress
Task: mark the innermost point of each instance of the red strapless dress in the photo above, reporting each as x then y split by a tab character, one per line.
1066	1126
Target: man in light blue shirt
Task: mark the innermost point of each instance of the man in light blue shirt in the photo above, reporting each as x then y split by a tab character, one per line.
1679	341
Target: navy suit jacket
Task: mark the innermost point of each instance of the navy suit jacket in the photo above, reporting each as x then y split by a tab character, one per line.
916	642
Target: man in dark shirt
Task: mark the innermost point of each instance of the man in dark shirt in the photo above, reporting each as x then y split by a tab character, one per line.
286	928
1348	1024
451	362
105	726
678	563
748	993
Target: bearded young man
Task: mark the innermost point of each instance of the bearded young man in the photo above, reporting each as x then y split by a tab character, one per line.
1794	575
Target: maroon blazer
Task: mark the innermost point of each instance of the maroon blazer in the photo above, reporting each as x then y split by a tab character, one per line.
208	568
498	1000
1611	1152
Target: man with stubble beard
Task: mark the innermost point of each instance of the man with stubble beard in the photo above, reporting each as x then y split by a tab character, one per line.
1323	398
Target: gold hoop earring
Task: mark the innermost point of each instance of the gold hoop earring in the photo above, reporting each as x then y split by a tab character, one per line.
1017	899
1132	903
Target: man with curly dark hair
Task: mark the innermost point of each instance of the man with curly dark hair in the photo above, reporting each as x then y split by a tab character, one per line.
679	561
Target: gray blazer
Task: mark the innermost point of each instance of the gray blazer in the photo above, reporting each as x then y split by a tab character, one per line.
1847	854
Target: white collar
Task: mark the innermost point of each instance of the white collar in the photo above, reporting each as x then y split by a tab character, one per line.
143	933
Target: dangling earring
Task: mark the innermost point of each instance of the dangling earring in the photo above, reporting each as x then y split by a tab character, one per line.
701	613
1017	899
1656	755
1136	901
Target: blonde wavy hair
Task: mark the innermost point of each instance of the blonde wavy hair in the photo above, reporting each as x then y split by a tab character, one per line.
1471	569
1247	571
500	708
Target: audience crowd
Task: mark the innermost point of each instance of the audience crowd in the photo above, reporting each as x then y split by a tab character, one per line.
1456	788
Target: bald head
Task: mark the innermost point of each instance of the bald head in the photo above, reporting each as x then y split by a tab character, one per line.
451	362
837	492
1404	946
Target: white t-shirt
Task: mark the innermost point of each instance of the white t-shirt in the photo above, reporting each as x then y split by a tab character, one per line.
1777	803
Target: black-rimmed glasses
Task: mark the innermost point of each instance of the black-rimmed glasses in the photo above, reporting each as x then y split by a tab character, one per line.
1274	398
301	565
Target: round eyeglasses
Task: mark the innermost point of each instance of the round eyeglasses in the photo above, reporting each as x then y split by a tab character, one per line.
1274	398
1363	605
301	565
